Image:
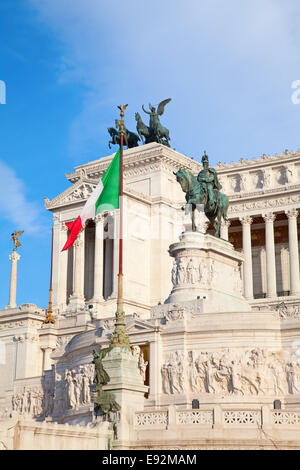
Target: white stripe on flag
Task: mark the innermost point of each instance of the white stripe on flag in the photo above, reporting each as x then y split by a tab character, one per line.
89	209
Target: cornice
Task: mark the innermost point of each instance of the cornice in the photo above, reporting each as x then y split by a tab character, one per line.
134	159
257	163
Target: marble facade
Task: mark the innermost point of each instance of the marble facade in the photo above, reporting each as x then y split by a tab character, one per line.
214	324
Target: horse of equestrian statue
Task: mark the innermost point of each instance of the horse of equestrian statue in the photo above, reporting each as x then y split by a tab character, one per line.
204	190
130	138
146	133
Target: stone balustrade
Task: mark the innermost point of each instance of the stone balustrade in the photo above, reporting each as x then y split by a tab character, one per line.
218	418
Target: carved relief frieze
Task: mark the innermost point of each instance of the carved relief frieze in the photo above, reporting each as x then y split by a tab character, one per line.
231	372
264	204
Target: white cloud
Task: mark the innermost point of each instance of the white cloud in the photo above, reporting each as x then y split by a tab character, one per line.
190	50
14	206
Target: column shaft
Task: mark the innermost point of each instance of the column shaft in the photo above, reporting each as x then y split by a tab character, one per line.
224	229
293	252
98	267
248	274
63	269
270	255
78	269
14	257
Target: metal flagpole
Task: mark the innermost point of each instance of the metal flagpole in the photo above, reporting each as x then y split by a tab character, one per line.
119	338
49	318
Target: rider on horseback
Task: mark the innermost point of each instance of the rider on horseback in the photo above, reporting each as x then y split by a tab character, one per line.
208	179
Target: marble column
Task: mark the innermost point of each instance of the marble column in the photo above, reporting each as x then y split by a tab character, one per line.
115	221
248	274
63	269
294	252
14	257
98	266
77	297
224	229
56	259
270	254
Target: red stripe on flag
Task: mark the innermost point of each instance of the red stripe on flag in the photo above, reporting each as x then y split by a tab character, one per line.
75	228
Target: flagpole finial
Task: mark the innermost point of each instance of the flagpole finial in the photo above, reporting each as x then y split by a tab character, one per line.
121	121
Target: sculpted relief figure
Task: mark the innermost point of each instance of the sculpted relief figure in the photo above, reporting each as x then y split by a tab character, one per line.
70	388
190	272
141	363
29	402
174	273
181	271
255	372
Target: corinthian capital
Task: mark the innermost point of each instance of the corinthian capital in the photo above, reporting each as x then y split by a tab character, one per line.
269	217
246	220
292	213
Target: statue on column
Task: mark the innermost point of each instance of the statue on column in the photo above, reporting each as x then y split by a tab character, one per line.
205	189
14	236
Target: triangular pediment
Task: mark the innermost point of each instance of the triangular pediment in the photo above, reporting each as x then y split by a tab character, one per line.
139	326
78	192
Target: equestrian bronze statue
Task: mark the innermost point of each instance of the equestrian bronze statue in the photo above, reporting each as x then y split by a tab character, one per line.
205	189
130	138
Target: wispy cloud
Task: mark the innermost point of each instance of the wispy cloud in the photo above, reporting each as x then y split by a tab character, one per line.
14	205
206	54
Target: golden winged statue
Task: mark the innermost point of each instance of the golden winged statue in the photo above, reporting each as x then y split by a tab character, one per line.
14	237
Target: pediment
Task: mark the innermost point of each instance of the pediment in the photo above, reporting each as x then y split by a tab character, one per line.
78	192
139	326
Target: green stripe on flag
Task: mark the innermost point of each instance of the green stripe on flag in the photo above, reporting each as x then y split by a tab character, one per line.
110	194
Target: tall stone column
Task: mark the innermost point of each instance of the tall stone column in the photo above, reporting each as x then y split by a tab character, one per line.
14	257
63	268
98	267
56	260
224	229
248	274
294	252
115	222
77	297
270	254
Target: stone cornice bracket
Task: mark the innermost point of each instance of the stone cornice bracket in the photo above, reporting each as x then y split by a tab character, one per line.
99	217
269	217
292	213
247	220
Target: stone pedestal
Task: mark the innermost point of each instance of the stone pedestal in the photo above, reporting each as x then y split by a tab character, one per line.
126	383
48	339
208	269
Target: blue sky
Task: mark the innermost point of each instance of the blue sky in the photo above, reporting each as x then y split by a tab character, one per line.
228	67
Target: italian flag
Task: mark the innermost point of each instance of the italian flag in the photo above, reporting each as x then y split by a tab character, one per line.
104	198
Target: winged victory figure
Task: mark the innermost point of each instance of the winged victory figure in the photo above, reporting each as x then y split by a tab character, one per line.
156	132
14	237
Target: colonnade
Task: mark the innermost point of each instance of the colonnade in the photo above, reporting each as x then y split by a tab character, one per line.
60	274
269	219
